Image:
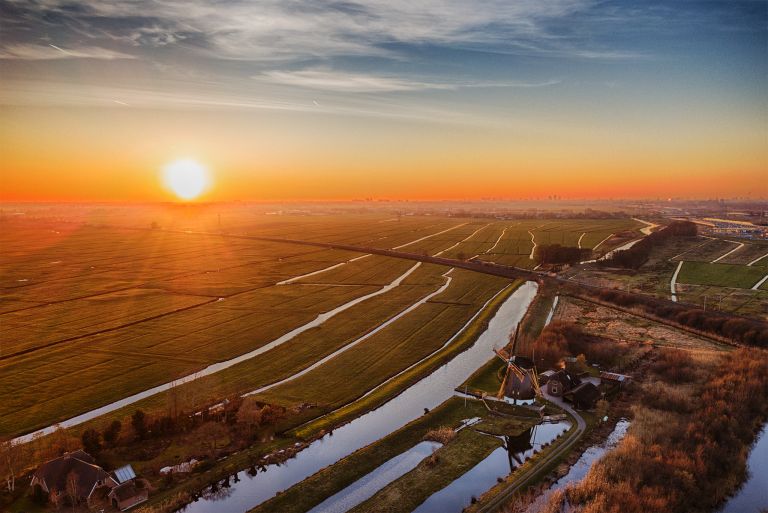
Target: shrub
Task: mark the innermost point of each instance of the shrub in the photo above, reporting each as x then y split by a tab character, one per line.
442	435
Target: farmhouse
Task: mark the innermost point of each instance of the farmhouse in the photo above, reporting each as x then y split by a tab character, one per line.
75	477
561	382
584	396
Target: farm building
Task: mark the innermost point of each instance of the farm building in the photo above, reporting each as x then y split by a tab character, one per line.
584	396
561	382
126	495
76	471
76	476
613	377
545	376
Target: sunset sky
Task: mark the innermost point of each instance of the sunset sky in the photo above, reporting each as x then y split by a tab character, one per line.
450	99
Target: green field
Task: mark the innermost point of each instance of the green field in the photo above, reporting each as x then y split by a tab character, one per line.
720	275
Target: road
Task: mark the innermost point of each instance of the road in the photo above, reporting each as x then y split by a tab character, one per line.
525	476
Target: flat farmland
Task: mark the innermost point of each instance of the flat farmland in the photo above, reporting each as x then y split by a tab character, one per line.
48	324
392	349
568	232
514	247
748	254
720	275
174	326
706	251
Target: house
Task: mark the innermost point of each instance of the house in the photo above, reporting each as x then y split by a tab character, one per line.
545	376
76	473
561	382
72	473
126	494
584	396
613	377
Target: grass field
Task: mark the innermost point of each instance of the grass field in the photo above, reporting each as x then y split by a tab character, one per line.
721	275
100	313
150	341
157	344
514	247
403	343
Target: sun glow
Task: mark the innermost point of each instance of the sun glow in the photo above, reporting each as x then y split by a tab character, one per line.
186	178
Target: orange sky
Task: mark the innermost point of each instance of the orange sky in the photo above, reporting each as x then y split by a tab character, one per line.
117	155
413	100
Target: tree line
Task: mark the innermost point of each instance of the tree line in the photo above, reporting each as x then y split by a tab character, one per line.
637	255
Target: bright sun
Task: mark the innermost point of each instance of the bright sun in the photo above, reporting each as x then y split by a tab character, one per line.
186	178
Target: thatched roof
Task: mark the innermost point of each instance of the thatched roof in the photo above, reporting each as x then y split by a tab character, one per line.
54	473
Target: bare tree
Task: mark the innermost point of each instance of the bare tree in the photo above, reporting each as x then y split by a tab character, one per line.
211	433
55	498
72	485
11	462
250	414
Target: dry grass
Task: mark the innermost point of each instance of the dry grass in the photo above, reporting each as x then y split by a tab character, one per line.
443	434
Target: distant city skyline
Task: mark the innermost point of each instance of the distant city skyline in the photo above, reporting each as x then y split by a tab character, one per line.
402	100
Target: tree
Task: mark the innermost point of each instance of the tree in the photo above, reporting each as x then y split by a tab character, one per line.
601	408
55	498
11	462
112	432
91	441
139	423
72	485
250	414
581	363
211	434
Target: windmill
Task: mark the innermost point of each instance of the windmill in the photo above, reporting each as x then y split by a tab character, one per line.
520	380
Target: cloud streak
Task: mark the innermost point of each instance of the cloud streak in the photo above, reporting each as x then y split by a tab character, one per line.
269	30
34	52
350	82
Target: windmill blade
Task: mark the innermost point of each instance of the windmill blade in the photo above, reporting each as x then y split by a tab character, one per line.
500	394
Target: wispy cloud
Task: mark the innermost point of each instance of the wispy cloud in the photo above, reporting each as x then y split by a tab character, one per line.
268	30
50	52
346	82
342	81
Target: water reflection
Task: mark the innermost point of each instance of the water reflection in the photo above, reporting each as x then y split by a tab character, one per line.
752	497
500	463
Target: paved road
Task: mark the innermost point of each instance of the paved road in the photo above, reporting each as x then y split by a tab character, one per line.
524	477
